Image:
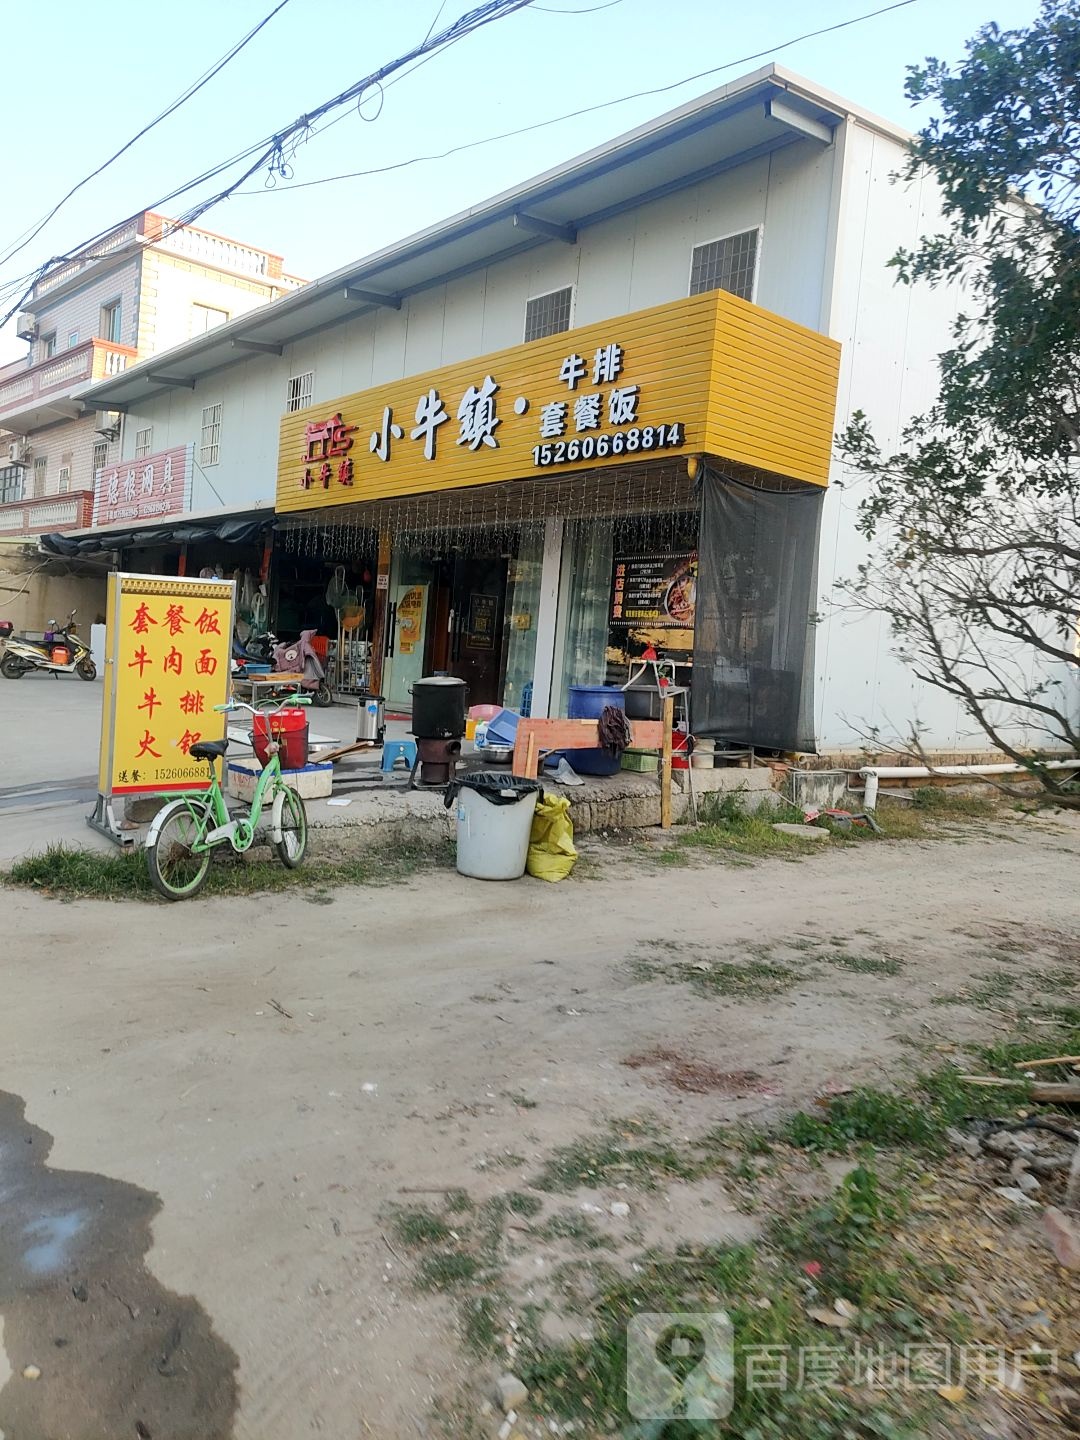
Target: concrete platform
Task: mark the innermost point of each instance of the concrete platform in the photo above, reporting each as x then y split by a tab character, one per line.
617	802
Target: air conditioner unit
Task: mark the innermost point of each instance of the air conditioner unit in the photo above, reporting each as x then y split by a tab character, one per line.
18	452
26	326
107	424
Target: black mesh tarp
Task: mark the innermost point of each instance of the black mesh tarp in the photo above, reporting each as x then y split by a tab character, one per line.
753	640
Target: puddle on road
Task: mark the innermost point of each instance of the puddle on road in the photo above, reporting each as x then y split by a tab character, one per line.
119	1354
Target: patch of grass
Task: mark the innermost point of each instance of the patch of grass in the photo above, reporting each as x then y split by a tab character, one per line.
522	1102
503	1160
862	964
519	1203
939	1098
68	872
753	978
939	800
415	1225
586	1380
631	1154
447	1270
987	994
575	1226
480	1324
864	1116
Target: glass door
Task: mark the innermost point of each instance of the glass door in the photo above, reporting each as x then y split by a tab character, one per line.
407	627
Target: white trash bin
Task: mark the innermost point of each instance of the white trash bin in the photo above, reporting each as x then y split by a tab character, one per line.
494	822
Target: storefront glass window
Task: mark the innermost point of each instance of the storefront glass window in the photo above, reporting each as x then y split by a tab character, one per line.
522	605
584	607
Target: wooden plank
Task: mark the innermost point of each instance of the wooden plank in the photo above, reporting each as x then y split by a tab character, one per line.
534	736
665	763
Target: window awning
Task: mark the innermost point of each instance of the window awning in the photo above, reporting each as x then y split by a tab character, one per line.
235	529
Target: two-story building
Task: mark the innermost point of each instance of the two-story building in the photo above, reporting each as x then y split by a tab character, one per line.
144	288
588	416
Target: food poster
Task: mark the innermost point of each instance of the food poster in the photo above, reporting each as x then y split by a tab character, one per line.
651	592
167	665
410	618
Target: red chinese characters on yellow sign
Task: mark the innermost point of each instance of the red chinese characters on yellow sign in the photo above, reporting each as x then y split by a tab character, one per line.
326	441
168	666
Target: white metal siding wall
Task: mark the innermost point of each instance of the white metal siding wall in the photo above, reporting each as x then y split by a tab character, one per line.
891	336
632	261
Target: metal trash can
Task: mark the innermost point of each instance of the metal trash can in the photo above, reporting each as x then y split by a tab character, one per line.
494	823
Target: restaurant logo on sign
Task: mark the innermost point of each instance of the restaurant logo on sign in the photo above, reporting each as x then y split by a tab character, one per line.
144	489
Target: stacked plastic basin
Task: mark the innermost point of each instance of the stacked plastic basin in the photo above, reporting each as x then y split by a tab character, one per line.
586	702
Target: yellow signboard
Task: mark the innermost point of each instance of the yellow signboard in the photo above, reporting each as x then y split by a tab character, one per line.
168	652
711	374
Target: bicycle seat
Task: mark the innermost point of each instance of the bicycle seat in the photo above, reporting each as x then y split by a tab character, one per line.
209	749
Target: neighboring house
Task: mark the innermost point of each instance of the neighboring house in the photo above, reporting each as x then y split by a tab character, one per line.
770	189
140	290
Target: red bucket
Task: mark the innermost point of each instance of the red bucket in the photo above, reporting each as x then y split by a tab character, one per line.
680	757
290	729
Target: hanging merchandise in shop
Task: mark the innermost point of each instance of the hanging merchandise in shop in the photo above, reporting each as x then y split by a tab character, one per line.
710	373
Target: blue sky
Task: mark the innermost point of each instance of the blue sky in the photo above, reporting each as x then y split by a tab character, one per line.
101	71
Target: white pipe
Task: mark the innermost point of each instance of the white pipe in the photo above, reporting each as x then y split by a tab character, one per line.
871	774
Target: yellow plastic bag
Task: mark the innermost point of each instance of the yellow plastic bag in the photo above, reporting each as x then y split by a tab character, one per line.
551	843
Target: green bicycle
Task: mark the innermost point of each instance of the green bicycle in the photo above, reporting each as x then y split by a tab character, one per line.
185	832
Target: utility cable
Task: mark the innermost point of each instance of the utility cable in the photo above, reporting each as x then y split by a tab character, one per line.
588	109
275	152
193	89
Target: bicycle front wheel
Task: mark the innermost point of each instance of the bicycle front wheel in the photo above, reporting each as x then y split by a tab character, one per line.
177	870
292	847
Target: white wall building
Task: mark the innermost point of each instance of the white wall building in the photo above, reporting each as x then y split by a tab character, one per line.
770	187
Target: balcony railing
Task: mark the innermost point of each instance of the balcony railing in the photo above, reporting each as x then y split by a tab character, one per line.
52	378
216	250
73	511
126	235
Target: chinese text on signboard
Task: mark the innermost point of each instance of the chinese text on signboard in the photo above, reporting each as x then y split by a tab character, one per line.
143	489
169	644
581	423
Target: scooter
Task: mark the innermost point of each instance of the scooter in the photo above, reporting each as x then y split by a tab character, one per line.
61	651
298	655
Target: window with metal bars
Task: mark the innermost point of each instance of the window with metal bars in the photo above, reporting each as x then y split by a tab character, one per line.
41	476
143	441
548	314
300	390
63	480
727	264
101	455
210	439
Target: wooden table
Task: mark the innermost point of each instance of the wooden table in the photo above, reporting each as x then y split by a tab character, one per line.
534	736
263	684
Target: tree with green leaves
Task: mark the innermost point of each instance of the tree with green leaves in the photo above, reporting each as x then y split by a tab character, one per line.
976	517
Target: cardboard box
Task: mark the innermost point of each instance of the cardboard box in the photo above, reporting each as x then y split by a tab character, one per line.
313	782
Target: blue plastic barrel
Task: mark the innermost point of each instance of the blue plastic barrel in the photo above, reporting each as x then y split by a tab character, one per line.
585	702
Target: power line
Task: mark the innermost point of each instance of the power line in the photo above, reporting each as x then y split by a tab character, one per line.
193	89
585	110
275	152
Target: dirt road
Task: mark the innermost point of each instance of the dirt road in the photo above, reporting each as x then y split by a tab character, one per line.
258	1080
